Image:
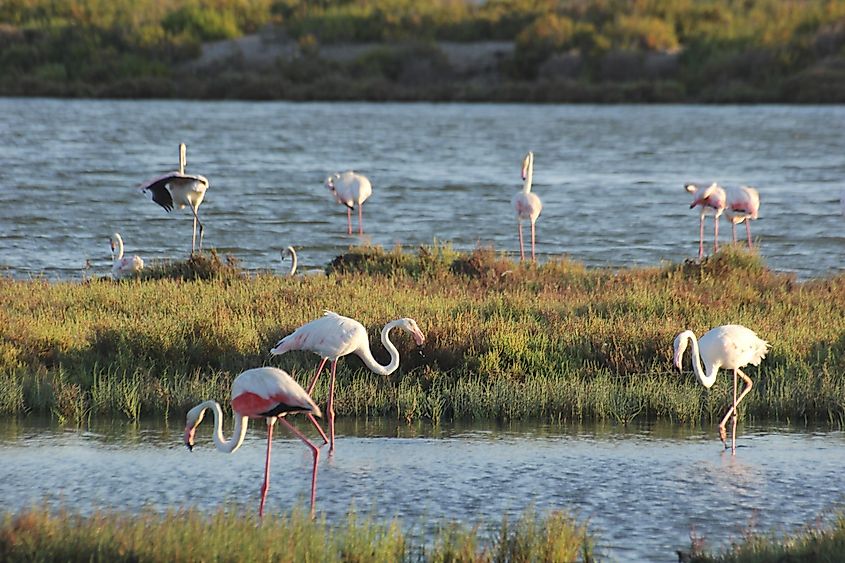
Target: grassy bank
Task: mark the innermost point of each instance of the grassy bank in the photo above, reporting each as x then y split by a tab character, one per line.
230	536
815	545
508	341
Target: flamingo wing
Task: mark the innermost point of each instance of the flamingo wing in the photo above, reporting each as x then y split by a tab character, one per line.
330	336
268	391
158	187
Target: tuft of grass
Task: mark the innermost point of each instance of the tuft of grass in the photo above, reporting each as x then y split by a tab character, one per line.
816	544
43	535
199	266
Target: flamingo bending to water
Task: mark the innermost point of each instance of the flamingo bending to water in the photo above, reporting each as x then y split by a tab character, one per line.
177	189
350	189
743	204
123	267
333	336
730	347
527	204
712	200
268	393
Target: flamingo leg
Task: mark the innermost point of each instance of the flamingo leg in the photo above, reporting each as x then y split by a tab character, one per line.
701	237
732	410
196	222
194	235
716	234
733	425
348	220
309	390
316	375
748	232
360	218
533	259
521	250
330	408
266	486
314	450
733	231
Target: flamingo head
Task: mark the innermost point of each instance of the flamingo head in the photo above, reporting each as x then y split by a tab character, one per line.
330	181
527	163
410	325
194	418
288	252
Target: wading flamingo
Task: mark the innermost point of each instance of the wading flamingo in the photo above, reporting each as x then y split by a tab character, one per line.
349	189
177	189
743	204
289	252
333	336
527	204
267	393
712	200
123	267
730	347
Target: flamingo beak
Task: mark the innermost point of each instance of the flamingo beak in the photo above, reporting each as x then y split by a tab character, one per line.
691	205
189	438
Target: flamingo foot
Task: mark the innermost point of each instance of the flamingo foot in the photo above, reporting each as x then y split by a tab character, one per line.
723	435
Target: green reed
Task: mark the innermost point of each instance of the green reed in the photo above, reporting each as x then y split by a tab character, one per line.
229	535
504	340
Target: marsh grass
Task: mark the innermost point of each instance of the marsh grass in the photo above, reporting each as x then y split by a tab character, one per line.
227	535
816	544
504	340
199	266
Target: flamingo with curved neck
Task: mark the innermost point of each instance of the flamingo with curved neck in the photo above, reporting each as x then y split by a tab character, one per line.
268	393
727	346
121	266
527	204
333	336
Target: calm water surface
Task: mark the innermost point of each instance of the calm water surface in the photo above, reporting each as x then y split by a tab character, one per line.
610	178
641	489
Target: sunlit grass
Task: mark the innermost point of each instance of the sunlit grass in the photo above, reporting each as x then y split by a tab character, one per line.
228	535
504	340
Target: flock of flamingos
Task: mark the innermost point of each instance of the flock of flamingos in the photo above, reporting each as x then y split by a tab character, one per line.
271	394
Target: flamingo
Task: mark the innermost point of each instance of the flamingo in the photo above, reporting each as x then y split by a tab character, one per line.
179	189
333	336
727	346
123	267
712	200
289	252
350	188
268	393
526	203
742	205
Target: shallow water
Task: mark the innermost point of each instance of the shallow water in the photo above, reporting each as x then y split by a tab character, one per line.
610	178
642	489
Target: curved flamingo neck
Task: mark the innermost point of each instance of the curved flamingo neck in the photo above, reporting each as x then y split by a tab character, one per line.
238	433
706	379
293	260
367	356
119	241
529	176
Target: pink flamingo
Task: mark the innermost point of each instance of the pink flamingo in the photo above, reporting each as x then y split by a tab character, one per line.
527	204
349	189
333	336
267	393
712	200
121	266
730	347
742	205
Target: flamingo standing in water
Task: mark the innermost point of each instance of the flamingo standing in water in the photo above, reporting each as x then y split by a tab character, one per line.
743	204
350	189
268	393
712	200
177	189
333	336
527	204
123	267
730	347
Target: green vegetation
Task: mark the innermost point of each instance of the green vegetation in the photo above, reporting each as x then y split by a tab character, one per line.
814	545
563	50
555	342
42	535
